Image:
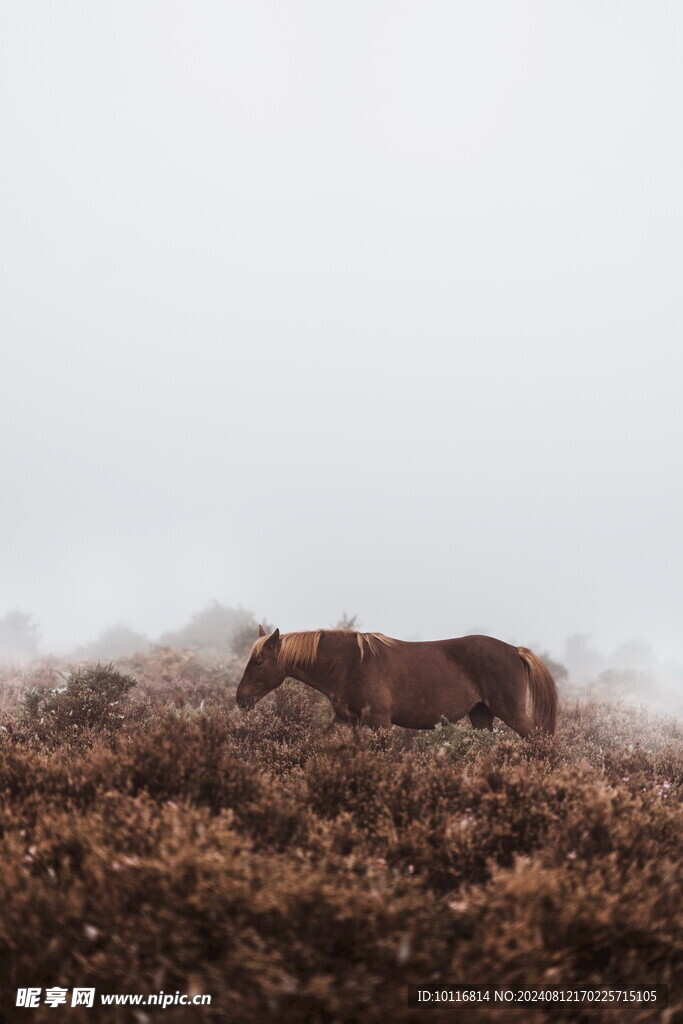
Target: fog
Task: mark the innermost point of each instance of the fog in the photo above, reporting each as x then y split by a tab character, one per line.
371	307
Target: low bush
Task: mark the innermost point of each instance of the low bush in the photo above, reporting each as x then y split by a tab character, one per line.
92	701
172	842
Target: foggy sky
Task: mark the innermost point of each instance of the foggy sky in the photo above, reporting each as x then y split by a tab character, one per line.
369	306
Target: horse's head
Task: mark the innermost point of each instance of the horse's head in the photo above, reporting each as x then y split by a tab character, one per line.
263	673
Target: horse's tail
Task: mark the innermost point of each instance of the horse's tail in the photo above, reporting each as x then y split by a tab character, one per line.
542	692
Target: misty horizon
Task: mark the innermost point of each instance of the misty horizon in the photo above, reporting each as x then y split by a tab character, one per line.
581	655
373	309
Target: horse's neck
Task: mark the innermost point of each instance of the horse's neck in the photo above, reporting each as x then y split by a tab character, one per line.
312	675
325	675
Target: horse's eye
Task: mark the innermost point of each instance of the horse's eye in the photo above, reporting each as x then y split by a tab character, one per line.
258	661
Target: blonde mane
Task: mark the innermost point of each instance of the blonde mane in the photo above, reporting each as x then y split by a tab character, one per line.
301	649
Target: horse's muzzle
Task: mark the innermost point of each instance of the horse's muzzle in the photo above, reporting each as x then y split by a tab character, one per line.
245	703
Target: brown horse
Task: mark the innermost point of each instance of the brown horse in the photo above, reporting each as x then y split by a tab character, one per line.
374	680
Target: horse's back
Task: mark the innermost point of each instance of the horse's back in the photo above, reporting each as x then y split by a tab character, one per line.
477	649
470	654
431	678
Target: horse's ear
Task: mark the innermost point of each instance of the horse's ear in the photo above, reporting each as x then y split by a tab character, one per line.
274	638
261	630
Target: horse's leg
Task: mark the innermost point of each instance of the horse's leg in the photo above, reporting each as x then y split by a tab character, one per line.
522	724
368	718
481	717
335	725
377	721
367	701
517	719
374	717
507	700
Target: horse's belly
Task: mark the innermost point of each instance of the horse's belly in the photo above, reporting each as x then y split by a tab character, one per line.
421	707
411	720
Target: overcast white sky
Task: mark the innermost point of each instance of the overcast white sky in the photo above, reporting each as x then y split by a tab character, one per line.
371	306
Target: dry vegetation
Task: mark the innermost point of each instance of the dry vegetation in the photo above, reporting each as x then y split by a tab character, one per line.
152	837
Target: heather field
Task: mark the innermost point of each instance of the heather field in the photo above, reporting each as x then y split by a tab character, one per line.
152	838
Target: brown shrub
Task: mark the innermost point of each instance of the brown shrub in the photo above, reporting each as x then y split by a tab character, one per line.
93	701
296	876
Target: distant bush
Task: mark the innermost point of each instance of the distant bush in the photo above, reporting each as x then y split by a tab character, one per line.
113	643
614	683
347	621
244	636
19	636
215	629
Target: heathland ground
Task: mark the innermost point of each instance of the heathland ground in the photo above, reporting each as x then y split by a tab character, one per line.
153	838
